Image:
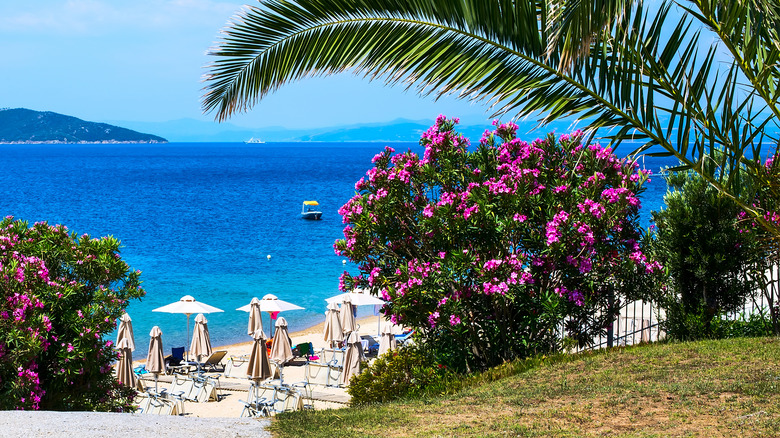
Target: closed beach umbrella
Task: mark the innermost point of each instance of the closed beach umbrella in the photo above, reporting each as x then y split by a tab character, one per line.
387	341
187	305
255	316
352	358
125	331
201	342
333	332
281	350
155	362
346	317
259	367
124	370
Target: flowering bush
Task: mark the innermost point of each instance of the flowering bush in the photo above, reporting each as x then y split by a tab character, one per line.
490	253
59	296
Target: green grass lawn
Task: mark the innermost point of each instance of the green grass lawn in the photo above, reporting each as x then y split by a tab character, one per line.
727	388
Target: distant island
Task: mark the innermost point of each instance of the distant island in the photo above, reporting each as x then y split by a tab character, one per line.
21	125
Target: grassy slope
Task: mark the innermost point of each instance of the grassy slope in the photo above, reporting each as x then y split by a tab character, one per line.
708	389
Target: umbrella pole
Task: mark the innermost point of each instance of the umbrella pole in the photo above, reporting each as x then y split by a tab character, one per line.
187	347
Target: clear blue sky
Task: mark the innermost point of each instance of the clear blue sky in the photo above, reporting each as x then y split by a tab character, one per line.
143	61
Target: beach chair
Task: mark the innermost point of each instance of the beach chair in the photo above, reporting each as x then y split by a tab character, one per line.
317	374
204	389
404	338
306	349
181	389
174	359
214	363
236	367
286	399
332	357
259	402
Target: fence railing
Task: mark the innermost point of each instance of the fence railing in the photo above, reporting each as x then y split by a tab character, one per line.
640	321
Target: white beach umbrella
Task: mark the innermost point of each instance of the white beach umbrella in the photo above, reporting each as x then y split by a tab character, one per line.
271	304
125	331
187	305
357	299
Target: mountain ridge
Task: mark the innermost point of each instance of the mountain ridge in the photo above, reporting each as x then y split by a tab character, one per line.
23	126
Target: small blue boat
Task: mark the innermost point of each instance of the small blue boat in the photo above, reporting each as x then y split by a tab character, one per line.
309	211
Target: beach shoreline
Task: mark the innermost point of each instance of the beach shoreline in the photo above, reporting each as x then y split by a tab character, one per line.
313	334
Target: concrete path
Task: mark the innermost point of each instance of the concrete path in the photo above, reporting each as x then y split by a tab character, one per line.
98	424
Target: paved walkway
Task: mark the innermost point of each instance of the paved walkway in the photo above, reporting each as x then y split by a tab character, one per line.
99	424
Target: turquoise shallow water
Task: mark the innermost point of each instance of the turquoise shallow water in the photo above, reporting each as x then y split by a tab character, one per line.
200	219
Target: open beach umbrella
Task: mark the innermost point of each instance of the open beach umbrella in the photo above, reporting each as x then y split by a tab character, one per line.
155	362
125	331
281	350
347	317
201	341
187	305
273	305
352	358
259	368
333	332
387	340
124	370
357	299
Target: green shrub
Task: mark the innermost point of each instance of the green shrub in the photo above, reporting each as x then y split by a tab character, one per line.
402	373
713	264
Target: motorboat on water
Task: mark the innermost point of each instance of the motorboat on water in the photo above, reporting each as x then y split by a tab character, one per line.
254	141
310	212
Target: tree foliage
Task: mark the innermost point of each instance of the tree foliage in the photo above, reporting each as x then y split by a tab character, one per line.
60	294
489	253
712	261
692	77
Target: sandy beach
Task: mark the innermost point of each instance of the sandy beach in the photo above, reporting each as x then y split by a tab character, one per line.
235	389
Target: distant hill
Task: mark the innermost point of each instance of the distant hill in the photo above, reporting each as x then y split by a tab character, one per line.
22	125
399	130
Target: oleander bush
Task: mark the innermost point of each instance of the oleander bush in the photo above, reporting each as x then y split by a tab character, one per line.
60	295
489	252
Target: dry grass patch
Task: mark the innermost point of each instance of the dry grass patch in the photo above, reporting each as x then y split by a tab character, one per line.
708	389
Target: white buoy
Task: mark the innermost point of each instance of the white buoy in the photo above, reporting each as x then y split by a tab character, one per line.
343	262
269	256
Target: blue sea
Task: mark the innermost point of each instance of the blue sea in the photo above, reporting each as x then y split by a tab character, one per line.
201	219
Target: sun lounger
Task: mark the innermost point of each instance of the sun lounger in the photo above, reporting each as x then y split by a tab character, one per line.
151	404
402	339
236	367
214	363
286	399
260	401
331	356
